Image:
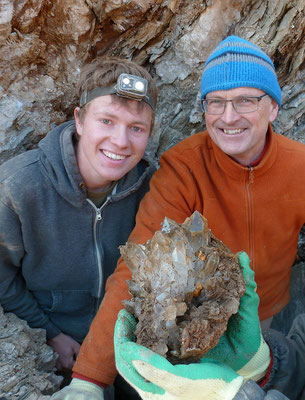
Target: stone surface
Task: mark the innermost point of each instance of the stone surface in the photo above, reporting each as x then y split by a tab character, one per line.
185	286
43	44
27	364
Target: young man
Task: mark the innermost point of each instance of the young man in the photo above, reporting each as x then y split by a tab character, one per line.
245	179
66	206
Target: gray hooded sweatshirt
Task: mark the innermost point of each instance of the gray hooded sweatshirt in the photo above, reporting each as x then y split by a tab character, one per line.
56	248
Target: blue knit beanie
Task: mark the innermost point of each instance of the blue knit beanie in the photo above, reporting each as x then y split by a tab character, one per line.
235	62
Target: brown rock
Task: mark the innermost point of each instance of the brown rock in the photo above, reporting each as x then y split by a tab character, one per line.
27	364
43	43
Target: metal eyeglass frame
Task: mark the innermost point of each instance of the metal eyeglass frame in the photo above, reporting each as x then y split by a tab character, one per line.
224	102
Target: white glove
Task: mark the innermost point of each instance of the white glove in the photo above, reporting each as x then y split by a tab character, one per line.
79	390
210	380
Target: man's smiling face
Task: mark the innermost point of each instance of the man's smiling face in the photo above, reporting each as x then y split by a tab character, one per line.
241	136
112	139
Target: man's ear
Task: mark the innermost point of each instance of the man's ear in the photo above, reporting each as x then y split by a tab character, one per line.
274	110
78	123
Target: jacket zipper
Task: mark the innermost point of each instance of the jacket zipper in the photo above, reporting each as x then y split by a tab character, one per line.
98	218
250	215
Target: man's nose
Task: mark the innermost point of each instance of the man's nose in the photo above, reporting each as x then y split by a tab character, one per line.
120	137
230	115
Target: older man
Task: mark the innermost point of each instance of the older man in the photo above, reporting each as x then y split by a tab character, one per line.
245	179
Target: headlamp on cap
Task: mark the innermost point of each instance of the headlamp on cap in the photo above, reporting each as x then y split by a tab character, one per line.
129	86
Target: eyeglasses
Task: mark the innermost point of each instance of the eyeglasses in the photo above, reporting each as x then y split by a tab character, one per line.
242	105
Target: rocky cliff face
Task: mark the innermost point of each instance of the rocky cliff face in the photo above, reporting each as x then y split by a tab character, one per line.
43	44
27	364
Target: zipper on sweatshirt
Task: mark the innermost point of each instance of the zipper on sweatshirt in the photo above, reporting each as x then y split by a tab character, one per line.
98	218
250	214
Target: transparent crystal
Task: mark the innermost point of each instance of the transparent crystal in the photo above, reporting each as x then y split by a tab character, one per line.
185	286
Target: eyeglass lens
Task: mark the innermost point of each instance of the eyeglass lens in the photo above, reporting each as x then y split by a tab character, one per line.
241	105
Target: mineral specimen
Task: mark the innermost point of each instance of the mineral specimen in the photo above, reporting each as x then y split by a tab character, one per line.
185	286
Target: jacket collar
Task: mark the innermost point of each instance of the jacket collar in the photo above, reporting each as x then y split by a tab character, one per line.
133	179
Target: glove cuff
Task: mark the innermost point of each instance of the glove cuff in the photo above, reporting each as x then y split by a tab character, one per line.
88	386
257	367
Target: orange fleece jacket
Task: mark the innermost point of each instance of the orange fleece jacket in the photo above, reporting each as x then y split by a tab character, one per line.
259	210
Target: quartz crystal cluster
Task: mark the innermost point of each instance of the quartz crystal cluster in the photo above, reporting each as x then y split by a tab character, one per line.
185	286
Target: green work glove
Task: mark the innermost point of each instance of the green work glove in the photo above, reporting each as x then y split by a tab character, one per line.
154	378
79	390
242	346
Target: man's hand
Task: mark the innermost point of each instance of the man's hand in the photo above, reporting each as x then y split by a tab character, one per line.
242	346
79	390
155	378
67	350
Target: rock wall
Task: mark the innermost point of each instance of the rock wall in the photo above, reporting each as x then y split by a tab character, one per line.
43	43
27	364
